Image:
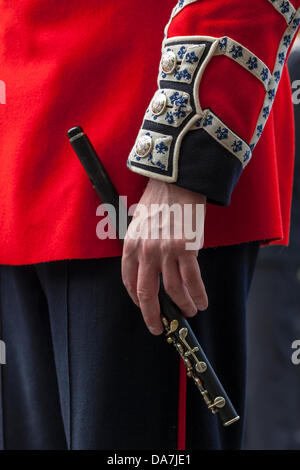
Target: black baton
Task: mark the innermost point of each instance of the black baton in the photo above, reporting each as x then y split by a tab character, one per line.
177	328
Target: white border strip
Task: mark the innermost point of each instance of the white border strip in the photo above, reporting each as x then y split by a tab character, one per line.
285	8
215	127
181	4
244	57
281	56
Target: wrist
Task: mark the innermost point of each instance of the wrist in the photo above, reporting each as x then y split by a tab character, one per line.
176	193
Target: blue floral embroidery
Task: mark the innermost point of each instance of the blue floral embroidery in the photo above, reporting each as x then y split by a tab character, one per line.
157	163
181	52
223	44
246	156
287	40
237	145
180	113
281	57
198	123
266	112
296	23
169	118
191	58
291	18
252	63
183	74
181	103
208	120
222	133
271	94
259	130
174	97
161	165
264	74
277	76
236	51
161	148
285	7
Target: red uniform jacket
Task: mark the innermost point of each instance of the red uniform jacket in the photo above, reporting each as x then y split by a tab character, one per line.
221	122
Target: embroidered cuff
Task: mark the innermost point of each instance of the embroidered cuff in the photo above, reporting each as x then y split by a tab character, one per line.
179	142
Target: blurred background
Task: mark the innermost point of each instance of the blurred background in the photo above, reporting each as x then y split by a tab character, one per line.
273	404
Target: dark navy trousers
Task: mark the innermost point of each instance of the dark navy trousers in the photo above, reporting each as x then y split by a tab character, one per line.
83	372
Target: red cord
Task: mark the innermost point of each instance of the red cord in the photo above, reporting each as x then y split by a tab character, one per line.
181	406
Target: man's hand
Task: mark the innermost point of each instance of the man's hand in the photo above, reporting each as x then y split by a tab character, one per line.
148	252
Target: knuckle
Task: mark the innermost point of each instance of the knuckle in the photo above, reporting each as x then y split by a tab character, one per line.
165	245
178	245
144	294
129	245
149	248
172	246
171	288
189	281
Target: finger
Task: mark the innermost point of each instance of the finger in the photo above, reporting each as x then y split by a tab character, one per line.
129	276
192	279
176	289
147	293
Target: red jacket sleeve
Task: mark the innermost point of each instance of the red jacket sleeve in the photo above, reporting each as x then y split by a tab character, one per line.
219	73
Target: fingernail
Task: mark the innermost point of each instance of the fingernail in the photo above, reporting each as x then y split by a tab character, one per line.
202	306
191	314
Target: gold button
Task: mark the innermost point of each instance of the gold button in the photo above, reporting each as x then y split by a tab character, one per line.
168	62
143	146
159	103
